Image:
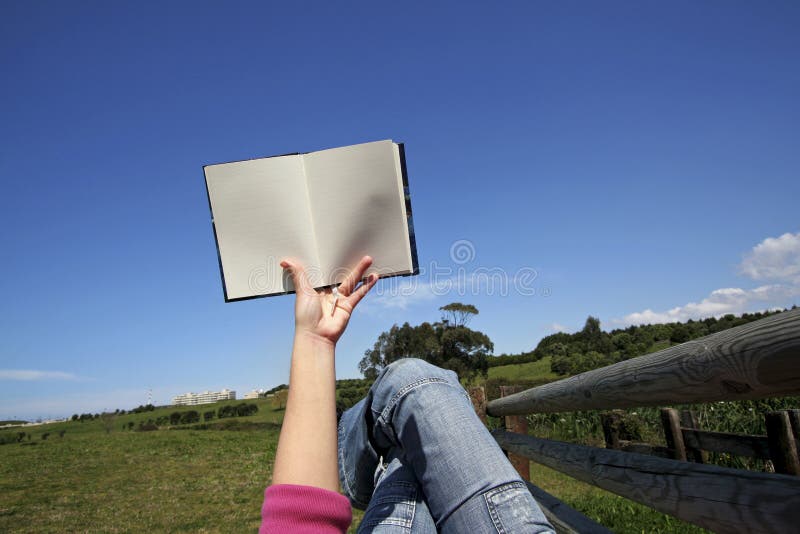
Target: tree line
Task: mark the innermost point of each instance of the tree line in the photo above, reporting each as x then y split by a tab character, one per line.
448	343
592	347
451	344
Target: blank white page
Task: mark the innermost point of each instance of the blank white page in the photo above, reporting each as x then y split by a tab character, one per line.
356	195
261	215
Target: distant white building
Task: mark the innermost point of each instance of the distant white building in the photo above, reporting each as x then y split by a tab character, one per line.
256	393
192	399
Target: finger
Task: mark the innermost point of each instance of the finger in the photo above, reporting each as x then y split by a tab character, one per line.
362	290
355	275
299	276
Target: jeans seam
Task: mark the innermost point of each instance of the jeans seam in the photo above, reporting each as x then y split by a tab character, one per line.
402	392
498	523
345	482
410	501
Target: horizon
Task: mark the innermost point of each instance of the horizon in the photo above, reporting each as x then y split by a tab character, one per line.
636	163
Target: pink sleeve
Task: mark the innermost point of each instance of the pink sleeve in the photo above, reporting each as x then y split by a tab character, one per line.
304	509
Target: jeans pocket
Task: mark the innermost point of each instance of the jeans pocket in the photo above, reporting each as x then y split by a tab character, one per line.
391	511
513	509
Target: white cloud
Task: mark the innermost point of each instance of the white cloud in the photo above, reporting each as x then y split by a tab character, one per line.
720	302
397	293
775	258
556	327
27	374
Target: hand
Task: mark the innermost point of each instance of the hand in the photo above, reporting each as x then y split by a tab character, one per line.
312	309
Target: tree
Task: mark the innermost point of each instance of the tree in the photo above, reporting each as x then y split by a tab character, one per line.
189	417
458	314
108	420
280	398
680	334
451	346
465	351
400	342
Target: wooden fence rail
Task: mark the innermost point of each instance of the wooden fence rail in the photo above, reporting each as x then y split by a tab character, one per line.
756	360
717	498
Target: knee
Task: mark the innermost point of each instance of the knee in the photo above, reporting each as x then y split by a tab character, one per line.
410	370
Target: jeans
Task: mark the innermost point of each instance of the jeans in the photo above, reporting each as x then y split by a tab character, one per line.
414	454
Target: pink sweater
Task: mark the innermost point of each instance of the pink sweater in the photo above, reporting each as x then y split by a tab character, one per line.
304	509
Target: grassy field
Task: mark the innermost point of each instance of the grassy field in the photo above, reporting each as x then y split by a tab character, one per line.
210	477
525	371
98	478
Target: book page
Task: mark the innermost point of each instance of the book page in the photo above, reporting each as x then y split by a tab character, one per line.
261	215
356	196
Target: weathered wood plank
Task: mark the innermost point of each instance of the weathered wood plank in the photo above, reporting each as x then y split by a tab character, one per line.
748	445
718	498
477	395
610	422
564	518
646	448
688	420
672	433
756	360
782	448
518	424
794	418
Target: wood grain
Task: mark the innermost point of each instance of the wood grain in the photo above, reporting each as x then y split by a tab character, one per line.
748	445
518	424
694	454
756	360
671	422
782	448
477	394
718	498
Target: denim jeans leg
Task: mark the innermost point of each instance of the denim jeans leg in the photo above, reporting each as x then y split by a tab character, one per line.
398	504
357	457
424	415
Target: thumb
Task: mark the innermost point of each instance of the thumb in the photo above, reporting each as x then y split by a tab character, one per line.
299	277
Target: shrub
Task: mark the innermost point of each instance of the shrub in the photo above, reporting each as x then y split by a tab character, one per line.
192	416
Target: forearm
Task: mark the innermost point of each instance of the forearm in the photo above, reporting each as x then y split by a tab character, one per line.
306	452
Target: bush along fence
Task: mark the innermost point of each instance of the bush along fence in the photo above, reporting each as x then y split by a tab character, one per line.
754	361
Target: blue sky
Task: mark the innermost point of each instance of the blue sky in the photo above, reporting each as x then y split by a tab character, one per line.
640	158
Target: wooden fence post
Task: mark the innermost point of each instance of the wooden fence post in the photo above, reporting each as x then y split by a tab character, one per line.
782	446
518	424
688	420
794	419
478	397
673	433
610	422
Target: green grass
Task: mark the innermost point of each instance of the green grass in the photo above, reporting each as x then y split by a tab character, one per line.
98	477
127	481
525	371
101	478
200	481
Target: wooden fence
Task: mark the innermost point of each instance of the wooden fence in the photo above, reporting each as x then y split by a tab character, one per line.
753	361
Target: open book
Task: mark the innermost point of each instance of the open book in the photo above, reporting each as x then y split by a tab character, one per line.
326	209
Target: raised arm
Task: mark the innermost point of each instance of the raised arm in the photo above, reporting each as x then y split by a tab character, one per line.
306	452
